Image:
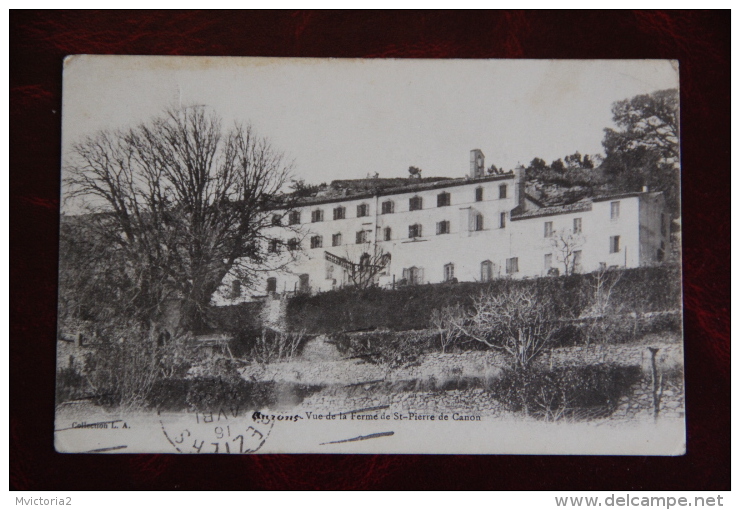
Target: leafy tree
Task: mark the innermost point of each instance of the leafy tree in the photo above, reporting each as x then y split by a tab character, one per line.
558	166
574	160
538	164
300	189
644	150
649	121
178	203
587	162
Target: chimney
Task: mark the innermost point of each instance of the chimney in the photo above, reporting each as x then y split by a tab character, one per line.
520	186
645	189
477	164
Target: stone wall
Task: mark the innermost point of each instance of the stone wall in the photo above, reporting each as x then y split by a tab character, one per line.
355	384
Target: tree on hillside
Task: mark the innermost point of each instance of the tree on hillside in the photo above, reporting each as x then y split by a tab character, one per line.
574	160
179	202
300	189
558	166
644	150
537	169
538	164
588	162
649	121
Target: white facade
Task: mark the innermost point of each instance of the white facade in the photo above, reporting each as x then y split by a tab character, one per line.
469	229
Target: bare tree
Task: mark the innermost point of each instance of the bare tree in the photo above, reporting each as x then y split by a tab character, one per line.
363	271
444	321
565	243
516	321
601	312
180	202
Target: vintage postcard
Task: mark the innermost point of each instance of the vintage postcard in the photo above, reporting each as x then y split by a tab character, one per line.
263	255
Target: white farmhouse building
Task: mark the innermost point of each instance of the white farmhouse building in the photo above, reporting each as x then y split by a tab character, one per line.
480	227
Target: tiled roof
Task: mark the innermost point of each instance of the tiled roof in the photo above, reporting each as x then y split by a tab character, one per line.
551	211
582	205
366	190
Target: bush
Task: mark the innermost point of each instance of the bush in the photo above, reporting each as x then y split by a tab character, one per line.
572	392
208	394
517	321
396	349
122	374
267	345
236	318
70	385
661	323
411	307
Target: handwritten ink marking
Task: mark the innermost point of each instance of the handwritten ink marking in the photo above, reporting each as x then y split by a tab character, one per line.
362	438
109	449
366	410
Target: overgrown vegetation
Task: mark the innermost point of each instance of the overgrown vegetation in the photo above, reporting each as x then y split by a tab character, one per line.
519	322
134	375
571	392
126	374
171	223
643	150
393	349
643	290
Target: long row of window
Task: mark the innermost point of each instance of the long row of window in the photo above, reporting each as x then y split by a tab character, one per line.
416	203
415	231
414	275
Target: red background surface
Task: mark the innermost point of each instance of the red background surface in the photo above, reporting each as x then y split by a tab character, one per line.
40	40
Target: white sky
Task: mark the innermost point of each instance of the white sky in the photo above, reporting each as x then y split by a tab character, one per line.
345	118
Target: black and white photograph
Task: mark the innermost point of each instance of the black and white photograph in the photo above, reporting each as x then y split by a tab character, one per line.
303	255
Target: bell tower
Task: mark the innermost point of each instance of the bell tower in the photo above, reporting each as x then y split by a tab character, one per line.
477	163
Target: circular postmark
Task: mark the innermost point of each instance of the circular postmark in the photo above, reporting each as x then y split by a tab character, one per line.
222	430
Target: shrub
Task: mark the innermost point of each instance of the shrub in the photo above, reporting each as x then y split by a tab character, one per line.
642	290
122	374
661	323
267	345
518	322
396	349
573	392
444	322
169	394
610	329
236	318
208	394
70	385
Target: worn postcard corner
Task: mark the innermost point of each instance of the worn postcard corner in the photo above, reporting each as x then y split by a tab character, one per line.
370	256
